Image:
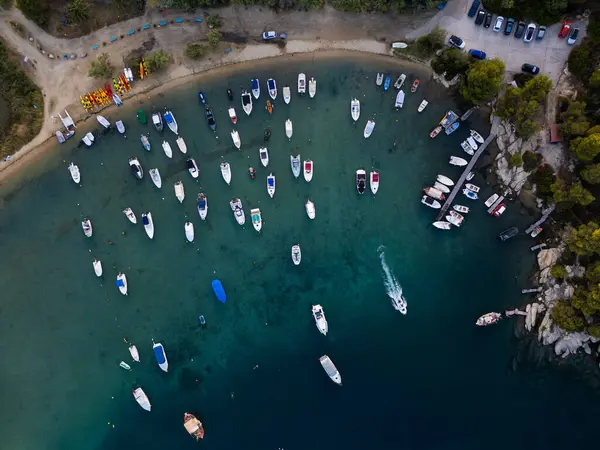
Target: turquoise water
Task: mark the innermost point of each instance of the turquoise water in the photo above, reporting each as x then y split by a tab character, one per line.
428	380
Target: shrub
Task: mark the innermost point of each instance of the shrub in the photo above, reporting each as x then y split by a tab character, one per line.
78	11
157	61
483	80
195	51
567	317
559	272
451	62
101	67
530	160
591	173
213	37
587	148
594	330
515	160
36	10
579	62
544	179
214	21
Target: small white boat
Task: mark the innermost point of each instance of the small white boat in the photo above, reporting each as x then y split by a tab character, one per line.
157	121
88	139
435	193
238	211
97	267
310	209
271	185
235	137
189	231
142	399
122	283
130	215
296	254
120	126
312	87
461	209
330	369
355	109
422	106
116	97
456	215
105	123
301	83
232	115
320	320
399	45
256	219
470	176
202	206
124	365
247	102
255	88
86	224
399	103
192	167
441	187
488	319
308	170
374	182
148	224
263	153
171	122
490	201
156	179
133	351
287	95
444	179
379	79
289	130
431	202
226	172
295	164
145	142
454	220
467	148
472	187
179	191
167	148
456	161
477	136
470	194
74	171
161	356
272	87
442	225
472	143
400	81
181	144
369	127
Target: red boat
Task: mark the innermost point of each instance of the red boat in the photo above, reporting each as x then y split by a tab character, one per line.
499	210
435	131
415	85
193	426
488	319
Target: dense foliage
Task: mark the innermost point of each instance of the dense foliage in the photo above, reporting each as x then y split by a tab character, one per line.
451	63
101	67
544	12
158	61
78	11
425	46
213	37
36	10
483	79
196	51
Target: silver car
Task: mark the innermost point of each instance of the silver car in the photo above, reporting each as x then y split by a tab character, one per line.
529	33
498	25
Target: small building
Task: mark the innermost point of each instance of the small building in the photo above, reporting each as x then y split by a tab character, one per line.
555	136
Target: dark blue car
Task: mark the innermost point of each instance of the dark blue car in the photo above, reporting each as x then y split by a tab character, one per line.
474	8
477	54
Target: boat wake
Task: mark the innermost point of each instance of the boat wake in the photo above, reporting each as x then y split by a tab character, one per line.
392	286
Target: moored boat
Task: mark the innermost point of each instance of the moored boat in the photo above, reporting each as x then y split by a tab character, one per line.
535	232
355	109
452	128
467	148
148	224
470	176
508	233
271	185
157	121
415	86
399	103
202	97
210	118
455	218
422	106
456	161
189	231
310	209
136	168
192	167
289	129
320	320
499	210
379	79
477	136
88	139
74	171
182	145
124	365
435	131
97	265
444	179
179	191
435	193
235	137
145	142
272	87
472	143
122	283
301	83
256	217
226	172
141	116
246	102
120	126
269	106
167	149
219	291
263	154
255	88
251	172
449	119
470	194
171	122
155	176
400	81
330	369
295	165
361	181
161	356
238	211
369	127
473	188
105	123
133	351
491	200
374	182
130	215
142	399
441	187
461	209
308	170
193	426
488	319
431	202
312	87
232	115
296	254
287	95
441	225
202	206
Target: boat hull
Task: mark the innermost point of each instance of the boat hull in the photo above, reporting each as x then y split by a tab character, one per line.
217	287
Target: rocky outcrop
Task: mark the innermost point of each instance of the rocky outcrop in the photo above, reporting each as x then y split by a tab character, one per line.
532	312
571	342
546	259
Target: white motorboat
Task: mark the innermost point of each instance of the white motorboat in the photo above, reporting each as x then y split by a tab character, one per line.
120	126
226	172
232	115
312	87
136	168
289	130
148	224
238	211
157	121
400	81
161	356
181	144
86	224
461	209
145	142
247	102
435	193
467	148
399	103
133	351
202	206
477	136
179	191
189	231
171	122
470	176
355	109
431	202
490	201
142	399
422	106
454	220
308	170
272	87
472	187
456	161
444	179
88	139
441	187
472	143
287	95
105	123
235	137
456	215
167	148
488	319
379	79
470	194
295	165
156	179
301	83
97	267
263	153
374	182
320	319
369	127
296	254
310	209
256	217
122	283
330	369
74	171
271	185
130	215
440	225
192	167
255	88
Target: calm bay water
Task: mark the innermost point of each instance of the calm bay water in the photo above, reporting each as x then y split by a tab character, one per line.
428	380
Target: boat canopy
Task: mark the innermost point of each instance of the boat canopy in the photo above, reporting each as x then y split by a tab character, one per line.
271	181
191	426
159	353
120	283
145	220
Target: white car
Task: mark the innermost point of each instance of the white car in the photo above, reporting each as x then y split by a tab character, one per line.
498	25
529	33
269	35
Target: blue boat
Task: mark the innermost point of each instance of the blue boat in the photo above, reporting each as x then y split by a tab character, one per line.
202	320
386	83
452	128
219	291
255	88
161	356
202	97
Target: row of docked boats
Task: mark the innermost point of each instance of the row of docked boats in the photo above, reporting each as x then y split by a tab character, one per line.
272	88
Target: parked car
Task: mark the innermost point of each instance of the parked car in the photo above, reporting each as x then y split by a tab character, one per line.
573	36
457	42
498	25
541	32
530	68
530	32
488	20
480	17
477	54
269	35
564	31
508	28
520	30
474	8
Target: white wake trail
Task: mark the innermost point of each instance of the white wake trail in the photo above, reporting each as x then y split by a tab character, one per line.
392	286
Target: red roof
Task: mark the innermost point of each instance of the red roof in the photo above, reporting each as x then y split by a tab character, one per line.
555	136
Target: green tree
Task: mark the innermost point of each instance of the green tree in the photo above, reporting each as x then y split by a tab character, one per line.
573	120
515	160
78	11
451	62
587	300
36	10
510	101
567	317
594	330
530	161
575	194
584	240
214	21
525	125
195	51
101	67
158	61
544	180
213	37
579	62
595	129
483	80
559	272
586	148
537	88
591	173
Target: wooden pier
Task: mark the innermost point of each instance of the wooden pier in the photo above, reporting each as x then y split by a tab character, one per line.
459	185
470	111
542	219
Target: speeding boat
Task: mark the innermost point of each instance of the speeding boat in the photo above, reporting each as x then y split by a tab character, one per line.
435	193
374	182
88	139
120	126
477	136
301	83
320	320
387	83
74	171
105	123
255	87
361	181
136	168
488	319
330	369
181	144
456	161
145	142
312	87
193	426
431	202
226	172
444	179
192	167
452	128
435	131
148	224
122	283
229	94
171	122
308	170
142	399
157	121
441	187
97	265
235	137
167	149
461	208
161	356
130	215
296	254
219	291
491	200
247	102
400	81
210	118
263	153
422	106
399	103
287	95
467	148
232	115
310	209
133	351
189	231
289	130
202	206
295	165
238	211
202	98
440	225
415	86
355	109
179	191
256	219
379	79
470	194
472	187
86	225
369	127
272	87
156	179
271	185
